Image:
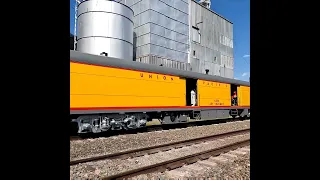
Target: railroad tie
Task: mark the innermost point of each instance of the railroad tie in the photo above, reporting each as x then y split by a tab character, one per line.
229	156
218	159
237	152
245	149
176	174
193	167
208	163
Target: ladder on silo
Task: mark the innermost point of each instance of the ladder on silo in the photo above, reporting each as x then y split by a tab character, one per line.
75	23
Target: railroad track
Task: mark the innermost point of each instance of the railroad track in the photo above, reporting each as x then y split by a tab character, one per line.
173	162
178	162
214	167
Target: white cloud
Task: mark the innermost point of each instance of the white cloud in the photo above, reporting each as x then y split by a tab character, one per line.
244	74
236	78
247	55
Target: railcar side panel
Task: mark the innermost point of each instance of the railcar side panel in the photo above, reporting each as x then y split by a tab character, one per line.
213	93
244	95
97	86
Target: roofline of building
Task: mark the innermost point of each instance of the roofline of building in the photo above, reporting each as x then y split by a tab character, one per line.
213	12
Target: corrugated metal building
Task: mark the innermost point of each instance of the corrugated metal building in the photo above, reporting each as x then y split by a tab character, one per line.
161	32
211	38
165	34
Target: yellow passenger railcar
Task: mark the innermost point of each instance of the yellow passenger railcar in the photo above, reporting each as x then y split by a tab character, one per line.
212	93
110	94
98	87
244	95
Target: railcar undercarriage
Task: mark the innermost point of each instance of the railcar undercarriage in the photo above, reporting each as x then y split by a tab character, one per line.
84	124
106	122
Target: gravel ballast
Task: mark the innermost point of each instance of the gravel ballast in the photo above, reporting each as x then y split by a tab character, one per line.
99	169
107	145
237	168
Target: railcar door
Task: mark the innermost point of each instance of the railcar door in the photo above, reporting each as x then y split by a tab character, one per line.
191	92
234	94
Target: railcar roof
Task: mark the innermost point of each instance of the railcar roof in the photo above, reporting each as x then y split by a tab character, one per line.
80	57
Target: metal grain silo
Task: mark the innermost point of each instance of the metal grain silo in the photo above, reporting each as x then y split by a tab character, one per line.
105	27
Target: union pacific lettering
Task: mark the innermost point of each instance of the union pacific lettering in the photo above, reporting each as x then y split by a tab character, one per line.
156	76
208	83
216	84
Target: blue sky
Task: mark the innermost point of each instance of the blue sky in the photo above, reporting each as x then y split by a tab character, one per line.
238	12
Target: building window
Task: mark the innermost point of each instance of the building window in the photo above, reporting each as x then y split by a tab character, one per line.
194	53
222	59
226	41
196	36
